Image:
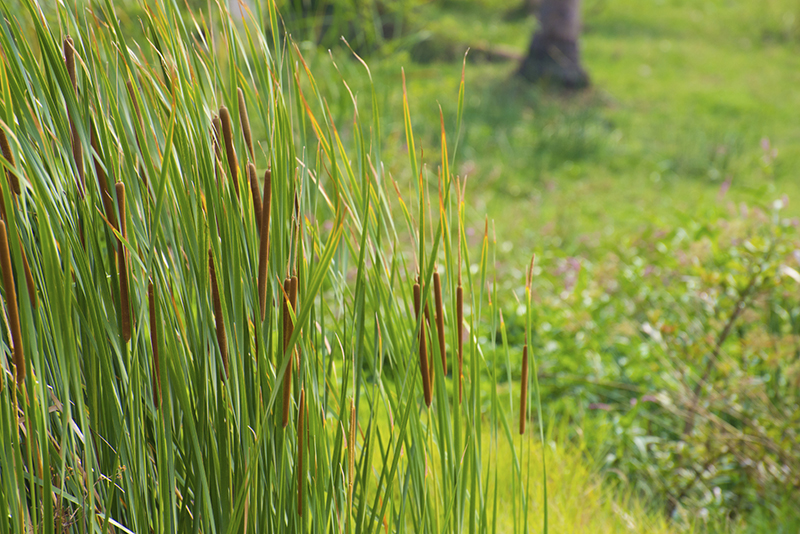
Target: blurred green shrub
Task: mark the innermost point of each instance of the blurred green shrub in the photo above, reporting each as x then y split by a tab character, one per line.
677	354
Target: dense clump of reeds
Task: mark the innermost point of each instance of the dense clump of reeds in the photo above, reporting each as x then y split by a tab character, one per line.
178	441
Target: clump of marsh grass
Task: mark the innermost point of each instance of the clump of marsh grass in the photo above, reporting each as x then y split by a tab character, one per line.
159	437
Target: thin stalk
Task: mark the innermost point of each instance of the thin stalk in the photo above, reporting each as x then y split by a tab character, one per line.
11	304
122	257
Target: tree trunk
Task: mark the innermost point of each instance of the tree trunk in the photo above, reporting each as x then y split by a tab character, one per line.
553	54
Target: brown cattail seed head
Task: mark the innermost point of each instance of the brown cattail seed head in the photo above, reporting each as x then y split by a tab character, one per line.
227	136
437	293
255	193
13	181
244	121
11	303
124	295
151	301
263	250
423	349
523	398
69	60
219	320
77	148
460	329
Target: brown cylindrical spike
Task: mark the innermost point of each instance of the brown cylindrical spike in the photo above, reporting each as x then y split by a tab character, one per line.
227	136
244	121
460	329
77	148
300	434
523	398
13	181
287	376
263	250
11	303
431	365
437	293
122	257
255	193
219	320
423	348
151	301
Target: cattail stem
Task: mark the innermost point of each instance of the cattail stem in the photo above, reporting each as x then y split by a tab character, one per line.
227	135
423	348
437	293
105	193
29	278
351	453
25	265
11	303
263	250
77	148
287	334
255	193
219	320
431	365
132	95
300	434
244	121
523	399
460	329
151	301
122	257
13	181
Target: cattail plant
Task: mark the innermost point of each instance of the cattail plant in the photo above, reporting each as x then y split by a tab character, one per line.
122	257
77	148
227	136
151	301
423	347
351	455
523	395
216	137
222	338
244	121
11	303
102	182
13	181
437	293
300	434
287	334
263	249
256	194
138	112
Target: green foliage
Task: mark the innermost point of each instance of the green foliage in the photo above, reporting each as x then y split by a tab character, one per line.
675	358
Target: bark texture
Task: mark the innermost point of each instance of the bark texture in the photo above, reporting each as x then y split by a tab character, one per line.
554	55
